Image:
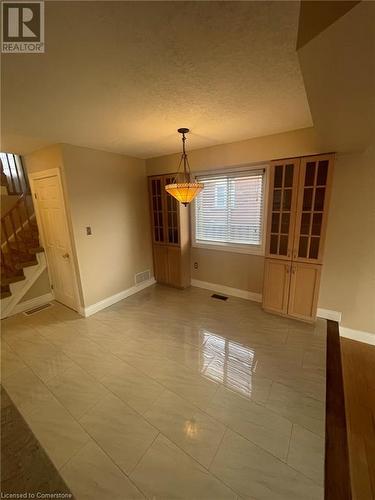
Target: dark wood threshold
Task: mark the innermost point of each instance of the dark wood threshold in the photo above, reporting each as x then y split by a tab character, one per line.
337	484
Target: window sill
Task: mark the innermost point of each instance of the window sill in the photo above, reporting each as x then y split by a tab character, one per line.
227	247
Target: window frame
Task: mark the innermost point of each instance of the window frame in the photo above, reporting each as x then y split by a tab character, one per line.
235	247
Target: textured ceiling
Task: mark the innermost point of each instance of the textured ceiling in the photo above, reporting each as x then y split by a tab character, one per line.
123	76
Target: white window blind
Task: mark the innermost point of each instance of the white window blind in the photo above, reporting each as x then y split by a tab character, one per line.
229	210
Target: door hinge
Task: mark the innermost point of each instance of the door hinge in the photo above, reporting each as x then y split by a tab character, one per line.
51	286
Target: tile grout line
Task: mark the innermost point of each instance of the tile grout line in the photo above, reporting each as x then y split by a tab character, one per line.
166	388
143	454
151	378
109	458
217	449
121	359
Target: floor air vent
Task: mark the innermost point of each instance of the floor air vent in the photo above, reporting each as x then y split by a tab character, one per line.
37	309
220	297
143	276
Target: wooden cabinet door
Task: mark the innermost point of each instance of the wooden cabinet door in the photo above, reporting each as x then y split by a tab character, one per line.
156	195
174	266
282	207
172	211
312	208
276	285
304	290
161	263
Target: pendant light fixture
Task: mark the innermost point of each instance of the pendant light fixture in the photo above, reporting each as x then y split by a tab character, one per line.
186	190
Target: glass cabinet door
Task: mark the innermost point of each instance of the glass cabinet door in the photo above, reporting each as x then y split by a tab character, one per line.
171	214
315	177
156	188
282	205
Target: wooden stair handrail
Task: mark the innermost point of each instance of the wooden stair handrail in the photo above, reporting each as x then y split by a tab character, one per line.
12	231
20	198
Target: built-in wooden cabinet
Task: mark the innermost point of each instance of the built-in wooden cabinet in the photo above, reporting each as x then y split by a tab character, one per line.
282	208
315	179
297	218
170	234
303	290
276	285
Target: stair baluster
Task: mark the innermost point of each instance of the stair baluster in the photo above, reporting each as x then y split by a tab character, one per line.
19	243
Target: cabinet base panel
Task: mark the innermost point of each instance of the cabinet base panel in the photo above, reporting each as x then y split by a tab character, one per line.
178	287
303	320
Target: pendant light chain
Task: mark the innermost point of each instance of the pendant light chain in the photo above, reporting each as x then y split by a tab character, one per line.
184	159
186	190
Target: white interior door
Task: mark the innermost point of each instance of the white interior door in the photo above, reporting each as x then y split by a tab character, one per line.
56	239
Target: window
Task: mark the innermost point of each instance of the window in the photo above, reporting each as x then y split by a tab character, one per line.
229	211
13	175
220	196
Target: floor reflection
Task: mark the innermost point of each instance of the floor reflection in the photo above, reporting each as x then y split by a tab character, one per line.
233	363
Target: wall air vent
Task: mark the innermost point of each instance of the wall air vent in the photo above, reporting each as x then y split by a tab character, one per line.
219	297
143	276
37	309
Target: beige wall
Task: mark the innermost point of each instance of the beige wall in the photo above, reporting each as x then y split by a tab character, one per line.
342	102
295	143
236	270
45	159
348	279
108	192
314	17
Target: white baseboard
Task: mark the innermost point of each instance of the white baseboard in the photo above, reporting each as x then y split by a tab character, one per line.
98	306
20	288
328	314
360	336
32	303
235	292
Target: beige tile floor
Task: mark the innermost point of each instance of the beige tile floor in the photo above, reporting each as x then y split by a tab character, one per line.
172	394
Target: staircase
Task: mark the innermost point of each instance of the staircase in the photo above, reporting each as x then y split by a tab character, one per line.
22	257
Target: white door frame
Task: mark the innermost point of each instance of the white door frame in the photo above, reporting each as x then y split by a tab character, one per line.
42	174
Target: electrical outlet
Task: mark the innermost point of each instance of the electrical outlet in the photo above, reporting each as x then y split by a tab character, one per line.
195	265
88	230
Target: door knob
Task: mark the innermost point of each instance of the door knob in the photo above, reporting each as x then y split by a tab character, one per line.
66	255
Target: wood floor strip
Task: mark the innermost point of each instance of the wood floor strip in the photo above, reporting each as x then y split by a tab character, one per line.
337	472
358	361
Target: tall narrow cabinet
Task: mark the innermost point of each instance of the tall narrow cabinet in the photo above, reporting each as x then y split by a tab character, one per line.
297	218
170	234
